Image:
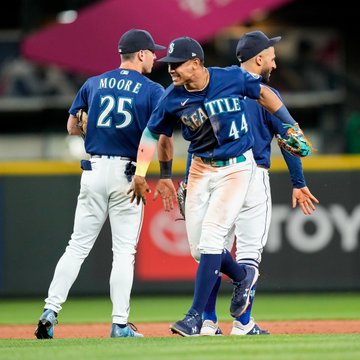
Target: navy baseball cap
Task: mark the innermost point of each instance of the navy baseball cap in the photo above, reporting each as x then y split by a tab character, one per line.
252	43
183	49
135	40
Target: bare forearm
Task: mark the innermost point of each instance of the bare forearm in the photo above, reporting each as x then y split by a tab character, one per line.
165	148
165	155
145	152
71	126
271	102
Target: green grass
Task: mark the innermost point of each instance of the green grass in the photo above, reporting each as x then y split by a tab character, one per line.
284	347
168	309
161	308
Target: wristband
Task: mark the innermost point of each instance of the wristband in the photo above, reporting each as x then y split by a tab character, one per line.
284	115
165	169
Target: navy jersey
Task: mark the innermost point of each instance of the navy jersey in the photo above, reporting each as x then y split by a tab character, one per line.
264	126
212	120
119	104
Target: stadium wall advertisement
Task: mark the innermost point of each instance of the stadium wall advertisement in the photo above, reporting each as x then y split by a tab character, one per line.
320	252
314	252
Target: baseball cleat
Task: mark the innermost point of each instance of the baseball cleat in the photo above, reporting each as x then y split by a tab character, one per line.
189	326
45	328
129	330
249	329
241	293
210	328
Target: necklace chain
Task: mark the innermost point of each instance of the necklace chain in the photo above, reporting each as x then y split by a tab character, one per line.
205	83
206	80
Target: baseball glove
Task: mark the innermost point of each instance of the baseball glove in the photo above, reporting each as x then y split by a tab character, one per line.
296	144
82	118
181	196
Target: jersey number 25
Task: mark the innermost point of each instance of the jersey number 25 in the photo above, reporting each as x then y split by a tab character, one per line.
121	103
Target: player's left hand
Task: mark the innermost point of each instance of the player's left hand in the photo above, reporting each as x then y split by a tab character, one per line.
139	188
297	144
82	120
166	189
305	199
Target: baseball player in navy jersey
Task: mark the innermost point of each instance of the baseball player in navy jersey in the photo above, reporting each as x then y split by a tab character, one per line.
119	103
256	54
209	103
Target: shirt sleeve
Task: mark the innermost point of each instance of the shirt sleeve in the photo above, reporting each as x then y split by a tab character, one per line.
81	100
295	169
161	122
156	94
252	84
293	163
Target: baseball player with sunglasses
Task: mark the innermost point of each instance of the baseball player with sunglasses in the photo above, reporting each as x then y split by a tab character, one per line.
209	103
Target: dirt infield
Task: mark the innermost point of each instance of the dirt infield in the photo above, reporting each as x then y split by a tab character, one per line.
162	329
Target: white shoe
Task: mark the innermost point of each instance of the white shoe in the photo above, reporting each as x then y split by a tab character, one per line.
210	328
249	329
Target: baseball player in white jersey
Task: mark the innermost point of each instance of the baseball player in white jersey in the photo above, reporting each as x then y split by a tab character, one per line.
256	54
209	104
119	103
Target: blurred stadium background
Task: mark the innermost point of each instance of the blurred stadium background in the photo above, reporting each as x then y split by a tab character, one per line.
318	76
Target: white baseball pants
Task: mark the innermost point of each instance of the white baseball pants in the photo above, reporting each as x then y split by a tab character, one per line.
252	225
102	194
215	196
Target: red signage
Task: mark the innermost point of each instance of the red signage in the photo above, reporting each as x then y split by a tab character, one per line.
163	250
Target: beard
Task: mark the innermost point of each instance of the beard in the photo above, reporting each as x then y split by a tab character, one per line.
265	75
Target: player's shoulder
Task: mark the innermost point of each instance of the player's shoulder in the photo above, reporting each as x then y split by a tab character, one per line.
171	96
96	78
153	84
225	69
232	71
145	81
106	74
172	91
123	76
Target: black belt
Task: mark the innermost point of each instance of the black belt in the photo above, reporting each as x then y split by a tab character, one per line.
112	157
219	163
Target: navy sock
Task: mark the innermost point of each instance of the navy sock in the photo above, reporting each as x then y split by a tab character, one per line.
210	308
206	276
231	268
245	317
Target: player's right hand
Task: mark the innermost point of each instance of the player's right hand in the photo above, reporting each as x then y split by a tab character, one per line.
166	189
138	188
305	199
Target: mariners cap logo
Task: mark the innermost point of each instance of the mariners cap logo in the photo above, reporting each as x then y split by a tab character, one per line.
171	48
183	49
